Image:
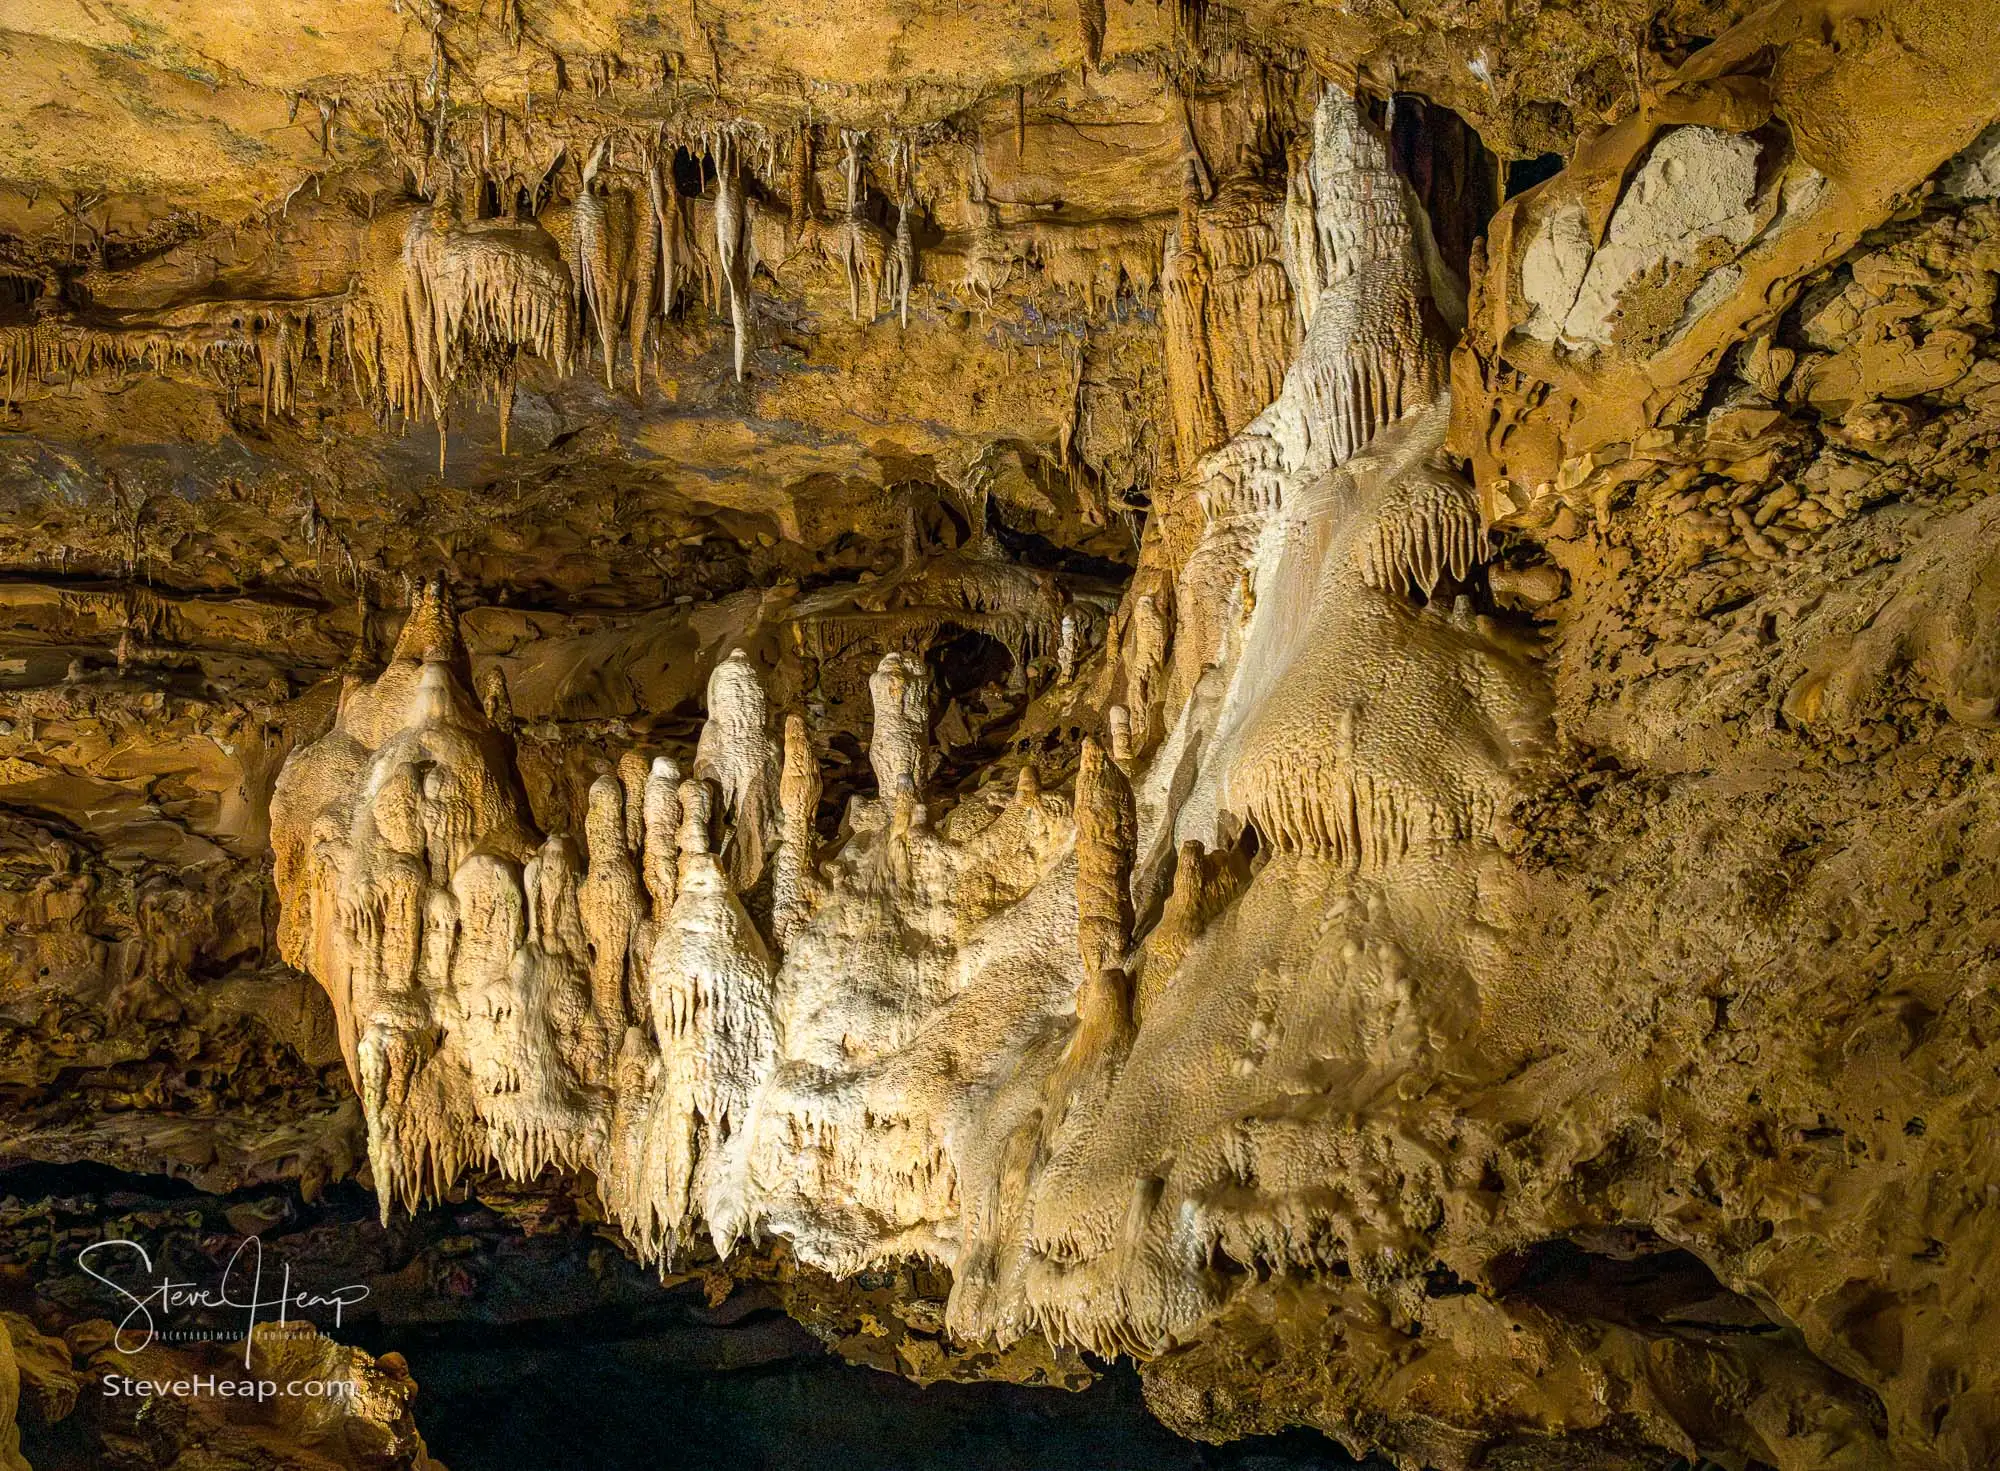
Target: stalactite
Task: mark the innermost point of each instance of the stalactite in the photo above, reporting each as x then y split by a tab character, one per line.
412	321
948	1048
1430	529
664	195
1090	29
731	235
599	259
645	270
900	270
858	242
1191	23
272	338
802	222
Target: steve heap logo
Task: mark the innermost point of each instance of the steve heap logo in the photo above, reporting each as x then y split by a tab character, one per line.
196	1386
242	1287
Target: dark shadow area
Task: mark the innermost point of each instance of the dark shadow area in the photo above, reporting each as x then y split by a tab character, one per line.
536	1344
1524	173
1637	1281
629	1404
1449	168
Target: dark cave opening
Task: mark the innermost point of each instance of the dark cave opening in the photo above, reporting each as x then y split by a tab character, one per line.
1449	167
491	1408
1524	173
979	695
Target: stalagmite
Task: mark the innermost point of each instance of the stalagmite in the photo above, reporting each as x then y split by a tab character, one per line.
709	980
611	904
798	801
1353	753
737	753
696	831
661	847
1202	887
1118	734
898	746
494	701
1106	835
1252	974
633	770
983	948
1151	634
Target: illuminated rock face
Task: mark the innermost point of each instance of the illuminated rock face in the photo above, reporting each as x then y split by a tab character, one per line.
992	725
509	999
1242	1055
941	1059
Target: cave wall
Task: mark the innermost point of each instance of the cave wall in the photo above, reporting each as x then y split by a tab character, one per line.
1103	688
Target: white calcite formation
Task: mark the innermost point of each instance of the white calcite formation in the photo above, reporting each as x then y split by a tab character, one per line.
1045	1040
1691	209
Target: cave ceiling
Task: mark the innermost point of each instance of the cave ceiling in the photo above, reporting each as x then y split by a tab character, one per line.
1304	692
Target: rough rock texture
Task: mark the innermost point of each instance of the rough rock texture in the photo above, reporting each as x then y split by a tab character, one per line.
1028	684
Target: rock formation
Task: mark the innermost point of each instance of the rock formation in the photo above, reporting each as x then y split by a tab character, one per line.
1372	790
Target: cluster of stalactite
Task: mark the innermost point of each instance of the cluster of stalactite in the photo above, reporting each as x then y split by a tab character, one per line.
265	343
451	293
454	292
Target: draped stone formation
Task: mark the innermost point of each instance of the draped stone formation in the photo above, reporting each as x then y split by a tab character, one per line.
509	998
1130	1059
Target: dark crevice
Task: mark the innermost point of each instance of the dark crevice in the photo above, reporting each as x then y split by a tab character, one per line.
1524	173
1647	1285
